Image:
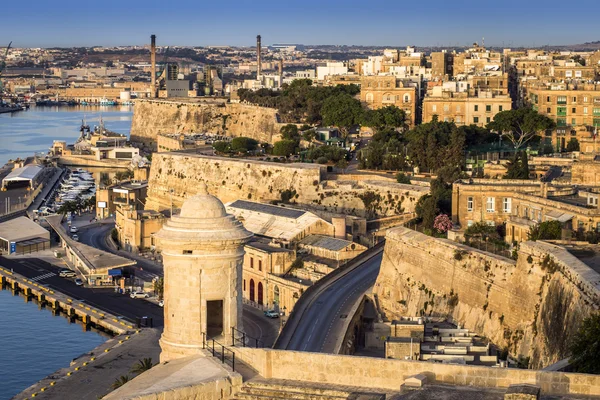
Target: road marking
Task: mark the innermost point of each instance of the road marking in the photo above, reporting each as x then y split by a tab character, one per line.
41	277
311	333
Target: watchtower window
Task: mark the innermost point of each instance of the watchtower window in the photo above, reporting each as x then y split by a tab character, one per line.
187	251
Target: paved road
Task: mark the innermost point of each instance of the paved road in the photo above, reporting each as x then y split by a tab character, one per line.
106	299
97	236
318	329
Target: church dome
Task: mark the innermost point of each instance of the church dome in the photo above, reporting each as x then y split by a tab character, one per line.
203	205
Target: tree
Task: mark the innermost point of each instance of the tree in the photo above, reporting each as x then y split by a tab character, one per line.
521	125
285	148
547	230
120	381
342	164
482	231
585	347
573	145
243	144
389	117
401	178
343	111
309	135
123	175
442	223
370	200
518	167
221	146
159	287
142	366
426	209
290	132
114	235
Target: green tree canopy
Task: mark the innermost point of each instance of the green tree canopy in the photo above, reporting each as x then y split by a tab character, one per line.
518	167
285	148
573	145
242	144
402	178
521	125
341	110
547	230
585	347
482	231
221	146
290	132
389	117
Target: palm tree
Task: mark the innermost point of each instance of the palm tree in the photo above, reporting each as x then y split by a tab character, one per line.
142	365
120	381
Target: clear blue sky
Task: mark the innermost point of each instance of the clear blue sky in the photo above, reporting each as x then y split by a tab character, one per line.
47	23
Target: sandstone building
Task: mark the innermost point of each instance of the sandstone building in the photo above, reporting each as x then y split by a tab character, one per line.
386	90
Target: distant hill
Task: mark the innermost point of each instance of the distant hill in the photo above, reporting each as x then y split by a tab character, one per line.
587	46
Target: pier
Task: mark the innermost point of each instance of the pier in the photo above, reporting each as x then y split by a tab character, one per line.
60	302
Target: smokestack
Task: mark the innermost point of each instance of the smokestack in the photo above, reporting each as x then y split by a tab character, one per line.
258	60
153	66
280	72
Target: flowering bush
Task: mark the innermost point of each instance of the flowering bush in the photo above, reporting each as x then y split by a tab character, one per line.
442	223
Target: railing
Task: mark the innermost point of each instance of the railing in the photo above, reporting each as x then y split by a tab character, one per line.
239	338
218	350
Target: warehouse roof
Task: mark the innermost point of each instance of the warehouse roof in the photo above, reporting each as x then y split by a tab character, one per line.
267	209
21	228
26	173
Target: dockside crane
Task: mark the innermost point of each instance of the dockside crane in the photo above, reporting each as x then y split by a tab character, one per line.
3	67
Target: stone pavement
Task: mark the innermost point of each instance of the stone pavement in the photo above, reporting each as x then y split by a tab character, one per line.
92	374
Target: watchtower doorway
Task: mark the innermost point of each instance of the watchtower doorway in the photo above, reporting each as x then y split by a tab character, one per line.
214	318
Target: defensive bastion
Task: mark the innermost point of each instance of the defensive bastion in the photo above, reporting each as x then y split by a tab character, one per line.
151	117
532	306
175	177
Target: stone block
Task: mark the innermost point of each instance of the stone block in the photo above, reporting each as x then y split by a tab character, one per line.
416	380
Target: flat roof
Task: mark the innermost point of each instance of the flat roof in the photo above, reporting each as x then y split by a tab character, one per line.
277	211
326	242
26	173
19	229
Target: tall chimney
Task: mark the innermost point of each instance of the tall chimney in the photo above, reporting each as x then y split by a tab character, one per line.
280	72
258	60
153	66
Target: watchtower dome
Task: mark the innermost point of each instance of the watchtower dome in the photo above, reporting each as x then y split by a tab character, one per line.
203	250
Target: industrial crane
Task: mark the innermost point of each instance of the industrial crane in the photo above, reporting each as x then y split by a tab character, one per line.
2	67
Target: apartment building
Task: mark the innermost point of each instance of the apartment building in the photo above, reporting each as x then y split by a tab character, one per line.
387	90
520	204
462	107
574	107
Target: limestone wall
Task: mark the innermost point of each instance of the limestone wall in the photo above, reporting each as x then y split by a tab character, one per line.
379	373
532	306
233	179
151	117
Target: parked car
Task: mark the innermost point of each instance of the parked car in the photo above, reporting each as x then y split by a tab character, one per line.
78	282
74	229
161	303
139	295
67	273
271	314
75	237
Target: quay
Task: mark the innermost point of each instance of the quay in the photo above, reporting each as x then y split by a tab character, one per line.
58	301
4	110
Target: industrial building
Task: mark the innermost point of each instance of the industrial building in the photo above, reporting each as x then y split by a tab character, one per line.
21	236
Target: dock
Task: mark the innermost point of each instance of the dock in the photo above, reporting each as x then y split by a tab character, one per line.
61	302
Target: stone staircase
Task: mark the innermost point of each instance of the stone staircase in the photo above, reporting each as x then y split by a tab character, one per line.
266	389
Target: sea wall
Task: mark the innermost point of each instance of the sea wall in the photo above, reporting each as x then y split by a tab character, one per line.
151	117
175	176
532	306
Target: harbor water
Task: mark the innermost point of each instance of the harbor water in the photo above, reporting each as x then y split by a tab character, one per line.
36	343
24	133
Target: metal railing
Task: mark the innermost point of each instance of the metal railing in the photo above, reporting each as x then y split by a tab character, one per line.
240	338
218	350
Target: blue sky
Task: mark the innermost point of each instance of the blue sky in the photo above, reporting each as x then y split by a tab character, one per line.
47	23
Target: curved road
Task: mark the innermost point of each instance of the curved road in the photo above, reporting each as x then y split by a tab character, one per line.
319	328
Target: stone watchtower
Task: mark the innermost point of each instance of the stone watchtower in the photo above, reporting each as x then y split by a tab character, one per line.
203	250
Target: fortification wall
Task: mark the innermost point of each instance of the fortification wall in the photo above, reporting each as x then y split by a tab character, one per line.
389	374
532	307
176	176
151	117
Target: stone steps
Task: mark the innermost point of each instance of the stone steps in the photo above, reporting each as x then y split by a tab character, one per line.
261	389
